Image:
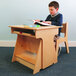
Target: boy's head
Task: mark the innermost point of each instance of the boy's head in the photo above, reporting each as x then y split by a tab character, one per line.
53	7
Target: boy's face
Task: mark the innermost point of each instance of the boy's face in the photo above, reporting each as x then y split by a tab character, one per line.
53	10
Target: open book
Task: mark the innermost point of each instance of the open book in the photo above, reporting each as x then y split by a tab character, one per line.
41	23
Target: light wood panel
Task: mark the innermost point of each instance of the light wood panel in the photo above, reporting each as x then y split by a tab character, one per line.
35	49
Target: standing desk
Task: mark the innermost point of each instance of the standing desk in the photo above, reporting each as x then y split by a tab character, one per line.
35	50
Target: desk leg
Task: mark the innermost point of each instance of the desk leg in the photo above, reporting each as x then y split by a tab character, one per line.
38	60
49	53
18	47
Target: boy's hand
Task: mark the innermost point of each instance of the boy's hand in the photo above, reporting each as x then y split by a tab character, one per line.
48	22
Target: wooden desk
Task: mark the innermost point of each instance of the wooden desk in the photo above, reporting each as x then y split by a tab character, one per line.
36	51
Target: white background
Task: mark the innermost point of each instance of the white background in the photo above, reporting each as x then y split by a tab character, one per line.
16	12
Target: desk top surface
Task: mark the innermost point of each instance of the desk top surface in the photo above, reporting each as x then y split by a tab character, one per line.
35	28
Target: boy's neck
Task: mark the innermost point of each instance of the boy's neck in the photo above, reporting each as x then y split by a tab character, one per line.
55	14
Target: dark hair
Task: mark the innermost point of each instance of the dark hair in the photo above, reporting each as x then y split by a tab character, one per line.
54	4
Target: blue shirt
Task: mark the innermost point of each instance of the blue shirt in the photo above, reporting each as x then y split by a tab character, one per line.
56	20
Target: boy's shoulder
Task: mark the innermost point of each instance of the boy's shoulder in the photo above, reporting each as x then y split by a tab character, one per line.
60	14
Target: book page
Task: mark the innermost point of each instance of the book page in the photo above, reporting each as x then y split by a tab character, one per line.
44	24
41	23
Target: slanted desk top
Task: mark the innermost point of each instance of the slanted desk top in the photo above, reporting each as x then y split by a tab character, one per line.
35	28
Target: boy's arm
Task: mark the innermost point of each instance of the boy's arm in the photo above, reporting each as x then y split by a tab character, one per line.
58	22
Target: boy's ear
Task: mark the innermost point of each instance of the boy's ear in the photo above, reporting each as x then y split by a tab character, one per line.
57	9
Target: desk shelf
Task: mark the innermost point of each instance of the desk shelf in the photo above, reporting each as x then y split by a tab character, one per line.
22	61
27	56
25	32
22	33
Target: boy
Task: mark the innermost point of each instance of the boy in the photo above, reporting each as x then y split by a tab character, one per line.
54	18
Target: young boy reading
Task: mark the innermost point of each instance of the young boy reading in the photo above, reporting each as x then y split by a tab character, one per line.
54	18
